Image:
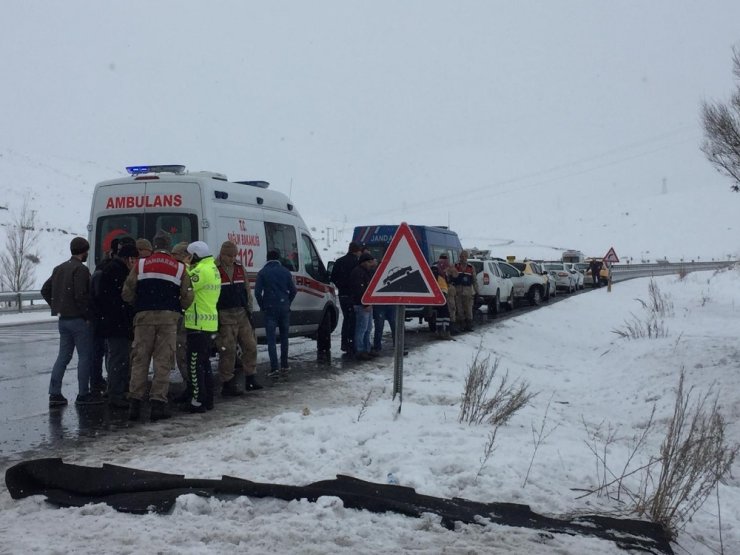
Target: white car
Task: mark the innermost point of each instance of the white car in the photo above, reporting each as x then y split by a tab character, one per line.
527	286
577	274
562	275
494	289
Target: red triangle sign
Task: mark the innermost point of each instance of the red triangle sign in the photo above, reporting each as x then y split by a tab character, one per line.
611	257
403	276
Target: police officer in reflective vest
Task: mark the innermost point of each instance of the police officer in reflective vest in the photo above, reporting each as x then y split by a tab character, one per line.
159	288
235	307
201	323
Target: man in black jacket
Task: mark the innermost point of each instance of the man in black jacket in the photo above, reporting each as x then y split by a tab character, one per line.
116	322
340	277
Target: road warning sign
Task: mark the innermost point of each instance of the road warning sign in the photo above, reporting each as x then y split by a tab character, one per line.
403	276
611	257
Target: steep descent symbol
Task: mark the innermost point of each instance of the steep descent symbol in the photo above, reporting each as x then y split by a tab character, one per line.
611	257
403	276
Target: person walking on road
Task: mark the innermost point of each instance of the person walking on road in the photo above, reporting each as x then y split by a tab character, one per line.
159	289
201	323
359	280
595	268
235	308
340	272
67	292
275	292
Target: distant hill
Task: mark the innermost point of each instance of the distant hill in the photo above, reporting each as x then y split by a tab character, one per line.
641	221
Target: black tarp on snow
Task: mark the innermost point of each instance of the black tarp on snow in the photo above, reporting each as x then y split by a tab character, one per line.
140	491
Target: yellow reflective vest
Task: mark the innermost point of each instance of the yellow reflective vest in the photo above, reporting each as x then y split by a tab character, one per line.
206	281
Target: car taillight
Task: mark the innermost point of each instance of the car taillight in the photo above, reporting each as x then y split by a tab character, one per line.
563	274
486	279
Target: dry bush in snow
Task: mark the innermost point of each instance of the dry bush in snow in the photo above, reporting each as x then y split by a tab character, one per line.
694	456
652	325
478	407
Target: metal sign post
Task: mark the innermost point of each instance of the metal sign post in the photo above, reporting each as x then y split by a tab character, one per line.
402	278
398	354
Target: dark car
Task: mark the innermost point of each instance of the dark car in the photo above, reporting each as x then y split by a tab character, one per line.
397	273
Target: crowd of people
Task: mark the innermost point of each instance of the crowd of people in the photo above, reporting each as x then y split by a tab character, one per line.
352	273
155	304
151	303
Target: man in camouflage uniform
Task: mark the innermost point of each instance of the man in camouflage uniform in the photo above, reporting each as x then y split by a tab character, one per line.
159	288
235	307
466	288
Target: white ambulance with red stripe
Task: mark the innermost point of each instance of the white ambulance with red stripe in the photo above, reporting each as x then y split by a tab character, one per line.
206	206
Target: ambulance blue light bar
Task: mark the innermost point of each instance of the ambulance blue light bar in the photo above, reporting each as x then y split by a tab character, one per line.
167	168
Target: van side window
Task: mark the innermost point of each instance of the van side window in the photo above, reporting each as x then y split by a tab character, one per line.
311	260
282	238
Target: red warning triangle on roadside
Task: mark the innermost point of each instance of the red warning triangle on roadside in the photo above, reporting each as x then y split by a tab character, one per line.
611	256
403	276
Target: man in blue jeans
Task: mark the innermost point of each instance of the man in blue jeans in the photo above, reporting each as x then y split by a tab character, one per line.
274	292
67	292
359	279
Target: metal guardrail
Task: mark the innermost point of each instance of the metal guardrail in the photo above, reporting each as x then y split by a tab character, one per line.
11	301
20	301
622	272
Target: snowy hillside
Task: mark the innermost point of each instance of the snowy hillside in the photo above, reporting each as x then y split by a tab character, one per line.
538	222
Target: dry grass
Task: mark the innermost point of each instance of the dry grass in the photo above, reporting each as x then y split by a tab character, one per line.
694	456
652	324
478	407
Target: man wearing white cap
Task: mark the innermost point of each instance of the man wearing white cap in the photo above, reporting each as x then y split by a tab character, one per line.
201	322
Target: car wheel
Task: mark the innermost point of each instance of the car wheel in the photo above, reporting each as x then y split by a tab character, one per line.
494	307
535	296
511	300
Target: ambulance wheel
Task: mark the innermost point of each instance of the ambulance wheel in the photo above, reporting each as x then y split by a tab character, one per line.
323	336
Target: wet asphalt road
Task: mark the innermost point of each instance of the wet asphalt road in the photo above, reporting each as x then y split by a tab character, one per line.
28	351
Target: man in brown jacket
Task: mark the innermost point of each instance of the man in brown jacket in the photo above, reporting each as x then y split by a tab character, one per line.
67	292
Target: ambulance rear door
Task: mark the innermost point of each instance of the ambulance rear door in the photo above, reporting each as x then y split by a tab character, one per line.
140	207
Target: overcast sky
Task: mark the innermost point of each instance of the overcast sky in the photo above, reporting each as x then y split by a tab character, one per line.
387	105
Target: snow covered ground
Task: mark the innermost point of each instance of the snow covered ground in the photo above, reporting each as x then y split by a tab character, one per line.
584	374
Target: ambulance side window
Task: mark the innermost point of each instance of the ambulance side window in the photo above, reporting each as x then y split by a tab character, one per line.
311	260
282	238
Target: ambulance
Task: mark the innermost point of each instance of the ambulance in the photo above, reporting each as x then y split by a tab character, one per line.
206	206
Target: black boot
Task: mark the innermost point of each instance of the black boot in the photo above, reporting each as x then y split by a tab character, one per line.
229	389
208	393
134	409
184	397
159	411
251	383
